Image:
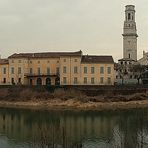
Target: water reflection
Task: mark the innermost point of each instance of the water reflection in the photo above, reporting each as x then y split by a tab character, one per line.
67	129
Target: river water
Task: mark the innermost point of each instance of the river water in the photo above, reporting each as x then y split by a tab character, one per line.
21	128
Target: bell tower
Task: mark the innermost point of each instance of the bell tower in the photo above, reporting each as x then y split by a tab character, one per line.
130	34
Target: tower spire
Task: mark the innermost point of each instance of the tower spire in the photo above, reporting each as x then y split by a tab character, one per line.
130	34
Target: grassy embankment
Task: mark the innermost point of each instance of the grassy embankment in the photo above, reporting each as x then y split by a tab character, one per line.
69	99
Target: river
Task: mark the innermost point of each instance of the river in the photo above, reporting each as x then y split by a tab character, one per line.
20	128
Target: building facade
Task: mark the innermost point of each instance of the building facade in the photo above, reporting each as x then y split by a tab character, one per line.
56	68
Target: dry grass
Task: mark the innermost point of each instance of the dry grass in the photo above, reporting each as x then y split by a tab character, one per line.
68	94
23	94
26	94
3	93
59	93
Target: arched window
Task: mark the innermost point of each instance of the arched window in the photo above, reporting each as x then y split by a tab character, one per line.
129	16
39	81
57	81
48	81
129	56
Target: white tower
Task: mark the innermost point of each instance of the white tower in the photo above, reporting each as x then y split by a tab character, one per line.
130	34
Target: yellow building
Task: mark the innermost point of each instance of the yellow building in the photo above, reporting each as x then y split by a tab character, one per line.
4	72
57	68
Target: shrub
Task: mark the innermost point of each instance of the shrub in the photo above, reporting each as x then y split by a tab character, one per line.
59	93
3	93
26	94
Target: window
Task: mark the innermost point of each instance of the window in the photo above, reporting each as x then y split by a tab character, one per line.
129	56
12	80
58	70
64	69
85	80
4	70
19	70
101	70
4	80
75	69
92	70
12	70
92	80
19	80
129	16
85	69
101	80
19	61
48	61
64	80
12	61
31	62
30	70
64	60
109	70
38	62
57	61
109	80
75	60
48	70
39	71
75	80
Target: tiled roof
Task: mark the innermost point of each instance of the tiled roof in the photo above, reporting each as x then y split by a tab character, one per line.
4	61
97	59
45	54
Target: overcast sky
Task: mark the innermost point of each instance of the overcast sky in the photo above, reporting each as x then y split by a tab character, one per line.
93	26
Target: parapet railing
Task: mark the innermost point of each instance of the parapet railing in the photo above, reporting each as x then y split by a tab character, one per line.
41	74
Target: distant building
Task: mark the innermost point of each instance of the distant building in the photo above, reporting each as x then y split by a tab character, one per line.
144	59
57	68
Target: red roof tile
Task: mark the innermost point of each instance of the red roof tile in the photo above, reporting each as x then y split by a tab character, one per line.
4	61
97	59
45	54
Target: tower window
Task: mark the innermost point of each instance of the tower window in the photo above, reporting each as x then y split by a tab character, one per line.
129	16
129	56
